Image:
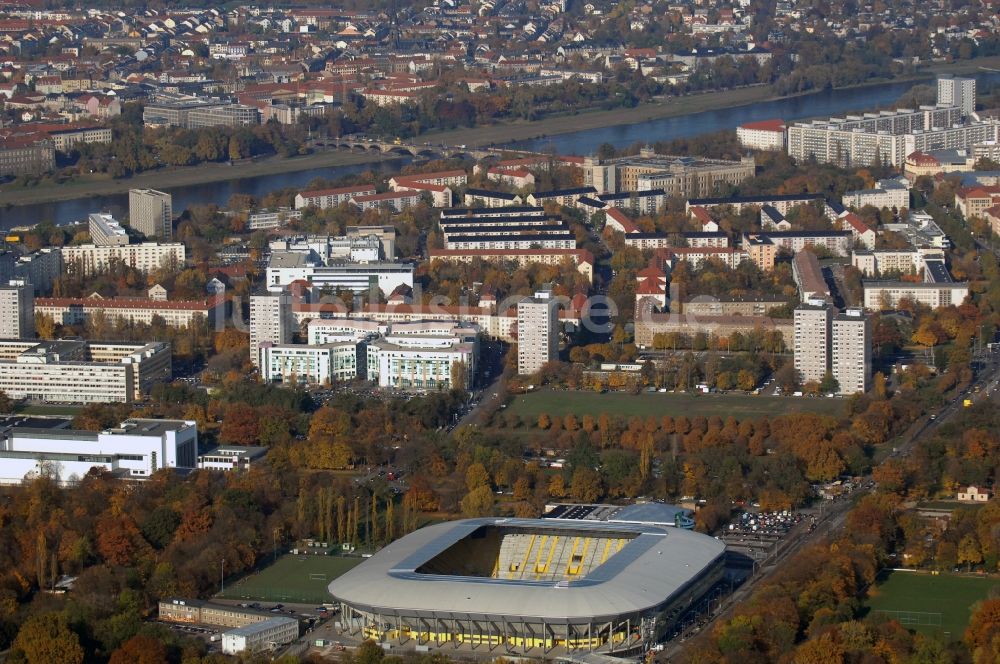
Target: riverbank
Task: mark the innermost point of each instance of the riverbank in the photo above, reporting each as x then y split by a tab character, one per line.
181	177
502	134
499	134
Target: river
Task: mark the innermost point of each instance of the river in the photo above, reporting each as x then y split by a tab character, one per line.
819	104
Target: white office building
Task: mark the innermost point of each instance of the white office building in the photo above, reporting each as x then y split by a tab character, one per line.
17	310
105	231
304	364
812	340
285	267
960	92
417	356
151	212
851	351
73	371
135	449
412	362
270	321
537	332
256	637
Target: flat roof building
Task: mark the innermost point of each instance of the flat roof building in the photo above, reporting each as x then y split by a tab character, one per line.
17	310
256	637
151	212
73	371
135	449
537	333
105	231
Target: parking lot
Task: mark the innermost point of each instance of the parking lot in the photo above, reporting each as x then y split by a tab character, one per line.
757	534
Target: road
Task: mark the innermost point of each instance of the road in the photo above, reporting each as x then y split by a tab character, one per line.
835	512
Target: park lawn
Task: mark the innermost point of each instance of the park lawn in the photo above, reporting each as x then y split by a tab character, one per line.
293	578
943	603
740	406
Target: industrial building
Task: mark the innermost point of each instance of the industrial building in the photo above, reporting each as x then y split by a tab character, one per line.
538	588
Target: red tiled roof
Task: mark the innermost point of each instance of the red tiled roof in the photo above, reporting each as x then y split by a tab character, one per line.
127	303
765	125
316	193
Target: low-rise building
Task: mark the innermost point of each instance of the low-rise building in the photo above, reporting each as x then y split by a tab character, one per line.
285	267
330	198
200	612
836	242
490	199
178	313
231	457
582	259
135	449
395	200
880	295
886	194
257	637
649	325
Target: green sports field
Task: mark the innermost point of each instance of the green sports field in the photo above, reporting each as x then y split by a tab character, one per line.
292	579
658	404
928	603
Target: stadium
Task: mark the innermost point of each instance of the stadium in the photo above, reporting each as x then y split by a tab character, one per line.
533	587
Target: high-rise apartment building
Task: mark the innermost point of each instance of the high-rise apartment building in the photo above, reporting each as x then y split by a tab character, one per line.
960	92
270	320
537	332
851	351
812	340
151	212
17	310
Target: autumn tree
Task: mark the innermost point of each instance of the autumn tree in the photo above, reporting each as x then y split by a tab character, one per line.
46	638
140	649
240	425
478	502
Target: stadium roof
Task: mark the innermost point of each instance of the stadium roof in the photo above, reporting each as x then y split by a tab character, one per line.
656	564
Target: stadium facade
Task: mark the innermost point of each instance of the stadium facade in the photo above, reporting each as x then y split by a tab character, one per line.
530	587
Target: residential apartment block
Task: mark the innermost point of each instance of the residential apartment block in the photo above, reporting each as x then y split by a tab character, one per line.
151	213
178	313
330	198
17	310
146	257
537	333
812	340
851	351
762	135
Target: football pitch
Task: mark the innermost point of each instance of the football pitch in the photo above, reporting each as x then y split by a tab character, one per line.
940	604
292	578
740	406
